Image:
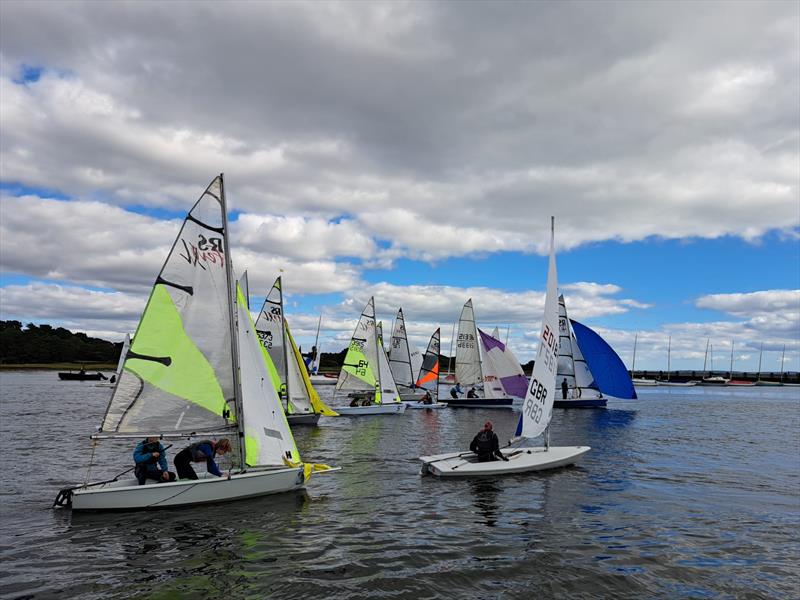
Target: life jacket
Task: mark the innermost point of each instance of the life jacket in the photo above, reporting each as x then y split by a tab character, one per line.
485	439
149	448
197	454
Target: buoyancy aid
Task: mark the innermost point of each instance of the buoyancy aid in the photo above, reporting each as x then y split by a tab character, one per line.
199	455
484	439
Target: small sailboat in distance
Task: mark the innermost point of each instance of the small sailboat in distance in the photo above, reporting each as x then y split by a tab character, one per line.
400	361
536	411
365	374
126	344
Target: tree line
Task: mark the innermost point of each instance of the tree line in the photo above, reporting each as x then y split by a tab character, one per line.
45	344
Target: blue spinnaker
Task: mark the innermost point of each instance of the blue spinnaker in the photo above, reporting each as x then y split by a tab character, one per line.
606	366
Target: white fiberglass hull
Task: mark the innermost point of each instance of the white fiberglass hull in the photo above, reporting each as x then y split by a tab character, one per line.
309	419
644	382
677	383
395	408
435	405
520	460
128	495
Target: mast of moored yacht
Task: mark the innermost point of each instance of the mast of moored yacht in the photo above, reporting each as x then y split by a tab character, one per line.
705	358
783	356
731	373
633	366
669	356
232	299
760	354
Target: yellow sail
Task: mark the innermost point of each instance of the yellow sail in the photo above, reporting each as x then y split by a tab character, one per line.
316	402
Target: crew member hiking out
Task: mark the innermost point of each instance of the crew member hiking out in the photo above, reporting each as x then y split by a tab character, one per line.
486	445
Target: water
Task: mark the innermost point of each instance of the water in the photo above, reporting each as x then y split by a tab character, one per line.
689	492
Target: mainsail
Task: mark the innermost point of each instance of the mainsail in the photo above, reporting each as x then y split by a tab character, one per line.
429	371
468	360
571	364
537	409
399	353
359	371
269	326
308	391
388	387
502	366
177	377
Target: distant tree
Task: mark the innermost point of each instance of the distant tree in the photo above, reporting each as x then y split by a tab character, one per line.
43	344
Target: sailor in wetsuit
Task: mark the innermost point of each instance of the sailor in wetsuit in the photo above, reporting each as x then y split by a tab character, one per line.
486	445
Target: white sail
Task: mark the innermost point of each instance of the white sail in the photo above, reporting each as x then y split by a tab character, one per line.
399	353
388	386
416	360
267	437
269	326
298	400
126	344
359	370
502	373
537	409
177	376
468	360
571	364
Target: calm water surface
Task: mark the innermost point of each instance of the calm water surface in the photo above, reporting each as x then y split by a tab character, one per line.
686	493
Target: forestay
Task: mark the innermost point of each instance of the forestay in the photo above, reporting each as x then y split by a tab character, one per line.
177	376
429	371
537	409
468	361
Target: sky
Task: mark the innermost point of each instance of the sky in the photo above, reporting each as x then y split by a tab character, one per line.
414	152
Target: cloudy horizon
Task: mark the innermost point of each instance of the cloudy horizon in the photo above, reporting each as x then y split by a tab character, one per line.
415	152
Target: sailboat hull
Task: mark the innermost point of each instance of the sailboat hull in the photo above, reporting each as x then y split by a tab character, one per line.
310	419
395	408
480	402
580	403
434	406
128	495
520	460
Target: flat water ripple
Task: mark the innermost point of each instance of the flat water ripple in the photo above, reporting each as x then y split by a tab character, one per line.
686	493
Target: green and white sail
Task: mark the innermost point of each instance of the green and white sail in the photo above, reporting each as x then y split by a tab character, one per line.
268	439
177	377
359	371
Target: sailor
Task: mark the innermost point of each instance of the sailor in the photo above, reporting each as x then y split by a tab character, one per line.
203	451
456	390
472	393
564	388
486	445
151	461
427	398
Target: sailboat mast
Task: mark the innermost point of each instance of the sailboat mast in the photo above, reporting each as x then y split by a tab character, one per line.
705	358
318	357
760	354
508	329
633	366
731	375
285	343
669	356
378	348
450	358
237	380
783	356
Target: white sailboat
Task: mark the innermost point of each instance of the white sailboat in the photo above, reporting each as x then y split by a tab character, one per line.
581	390
469	368
126	344
428	379
303	404
196	369
400	361
313	368
711	379
502	372
536	412
365	374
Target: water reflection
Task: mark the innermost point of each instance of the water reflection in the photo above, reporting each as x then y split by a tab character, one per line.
484	497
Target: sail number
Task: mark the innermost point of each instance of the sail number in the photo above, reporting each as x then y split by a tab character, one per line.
534	404
548	342
465	340
361	368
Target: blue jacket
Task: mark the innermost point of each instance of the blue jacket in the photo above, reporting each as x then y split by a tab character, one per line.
202	451
140	456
